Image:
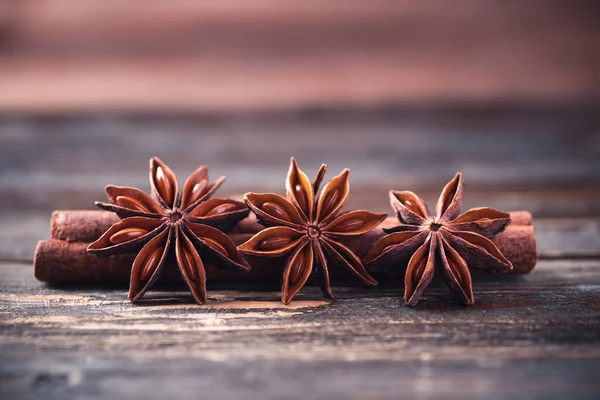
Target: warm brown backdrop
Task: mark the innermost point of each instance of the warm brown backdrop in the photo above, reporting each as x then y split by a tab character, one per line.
184	55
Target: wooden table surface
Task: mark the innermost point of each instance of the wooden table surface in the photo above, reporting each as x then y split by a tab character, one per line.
527	337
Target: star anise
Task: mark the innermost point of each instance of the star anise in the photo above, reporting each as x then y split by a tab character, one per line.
187	224
449	242
309	227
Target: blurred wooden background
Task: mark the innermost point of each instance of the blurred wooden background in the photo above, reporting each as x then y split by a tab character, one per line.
189	56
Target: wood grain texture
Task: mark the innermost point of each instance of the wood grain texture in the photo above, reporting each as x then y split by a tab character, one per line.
544	160
538	336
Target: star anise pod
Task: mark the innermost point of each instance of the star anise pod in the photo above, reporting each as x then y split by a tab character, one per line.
308	228
449	242
187	225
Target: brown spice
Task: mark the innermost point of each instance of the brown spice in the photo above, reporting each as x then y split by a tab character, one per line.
169	224
449	242
307	228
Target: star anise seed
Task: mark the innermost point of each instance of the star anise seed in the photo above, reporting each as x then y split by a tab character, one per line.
167	223
449	242
307	229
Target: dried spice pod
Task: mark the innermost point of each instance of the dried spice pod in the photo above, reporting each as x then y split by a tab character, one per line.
307	228
167	224
449	242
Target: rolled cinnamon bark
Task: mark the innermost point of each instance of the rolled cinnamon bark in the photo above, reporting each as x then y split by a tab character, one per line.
59	261
89	225
520	218
517	242
80	225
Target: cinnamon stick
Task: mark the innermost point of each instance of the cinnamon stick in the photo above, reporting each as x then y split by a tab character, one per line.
89	225
59	261
516	242
80	225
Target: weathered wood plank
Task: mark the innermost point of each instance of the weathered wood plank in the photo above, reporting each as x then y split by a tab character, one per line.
249	380
537	335
546	160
